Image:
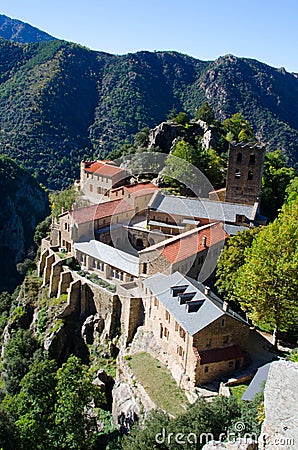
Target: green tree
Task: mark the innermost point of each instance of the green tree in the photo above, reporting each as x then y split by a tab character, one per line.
18	356
205	113
238	129
276	178
181	118
42	230
144	437
9	439
231	259
26	266
179	168
292	190
63	200
213	166
141	138
267	282
75	427
172	114
35	406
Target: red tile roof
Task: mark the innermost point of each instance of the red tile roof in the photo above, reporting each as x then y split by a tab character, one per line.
214	355
192	242
105	168
100	211
141	188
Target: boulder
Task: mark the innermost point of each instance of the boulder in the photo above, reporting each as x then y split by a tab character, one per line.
280	427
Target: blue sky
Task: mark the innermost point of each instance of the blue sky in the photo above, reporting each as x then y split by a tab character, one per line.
265	29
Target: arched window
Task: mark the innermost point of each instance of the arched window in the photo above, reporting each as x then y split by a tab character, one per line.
237	174
250	175
252	158
239	157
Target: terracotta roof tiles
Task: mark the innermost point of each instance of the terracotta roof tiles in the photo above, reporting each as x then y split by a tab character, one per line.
218	354
105	168
100	211
192	242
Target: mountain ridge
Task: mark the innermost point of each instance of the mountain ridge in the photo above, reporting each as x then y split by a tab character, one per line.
61	102
19	31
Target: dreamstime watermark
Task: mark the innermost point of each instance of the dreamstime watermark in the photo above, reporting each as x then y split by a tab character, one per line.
230	437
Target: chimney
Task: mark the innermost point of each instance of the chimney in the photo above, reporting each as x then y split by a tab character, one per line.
204	241
207	289
225	306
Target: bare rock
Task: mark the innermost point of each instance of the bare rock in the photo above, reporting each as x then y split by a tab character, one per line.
163	135
92	324
280	427
126	408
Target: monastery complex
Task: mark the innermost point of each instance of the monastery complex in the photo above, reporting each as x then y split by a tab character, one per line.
146	258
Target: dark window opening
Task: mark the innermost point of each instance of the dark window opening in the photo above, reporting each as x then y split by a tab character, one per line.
250	175
252	158
239	157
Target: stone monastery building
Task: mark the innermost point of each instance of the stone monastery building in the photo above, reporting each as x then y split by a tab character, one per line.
144	256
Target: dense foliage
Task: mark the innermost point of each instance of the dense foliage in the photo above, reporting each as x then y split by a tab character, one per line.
61	102
23	204
259	270
202	422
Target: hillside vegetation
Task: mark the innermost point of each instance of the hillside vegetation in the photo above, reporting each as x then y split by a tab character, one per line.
23	204
61	102
18	31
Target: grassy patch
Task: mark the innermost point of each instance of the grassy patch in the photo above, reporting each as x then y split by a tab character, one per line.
158	383
98	362
238	391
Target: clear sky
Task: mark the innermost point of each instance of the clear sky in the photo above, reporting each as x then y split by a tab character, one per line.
266	30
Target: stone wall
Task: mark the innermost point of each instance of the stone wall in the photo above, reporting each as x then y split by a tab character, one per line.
215	334
244	173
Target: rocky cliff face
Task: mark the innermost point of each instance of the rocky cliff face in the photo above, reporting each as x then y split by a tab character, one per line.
23	204
280	427
164	135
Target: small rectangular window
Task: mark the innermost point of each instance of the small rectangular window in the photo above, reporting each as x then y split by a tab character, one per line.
231	364
206	369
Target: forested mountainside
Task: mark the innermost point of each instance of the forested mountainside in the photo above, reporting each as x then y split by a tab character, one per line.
18	31
23	204
61	102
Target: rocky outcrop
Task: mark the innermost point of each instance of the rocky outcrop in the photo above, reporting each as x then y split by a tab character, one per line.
280	427
165	135
93	324
126	408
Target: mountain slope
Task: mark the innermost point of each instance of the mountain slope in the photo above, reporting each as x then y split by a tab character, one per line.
61	102
23	204
18	31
